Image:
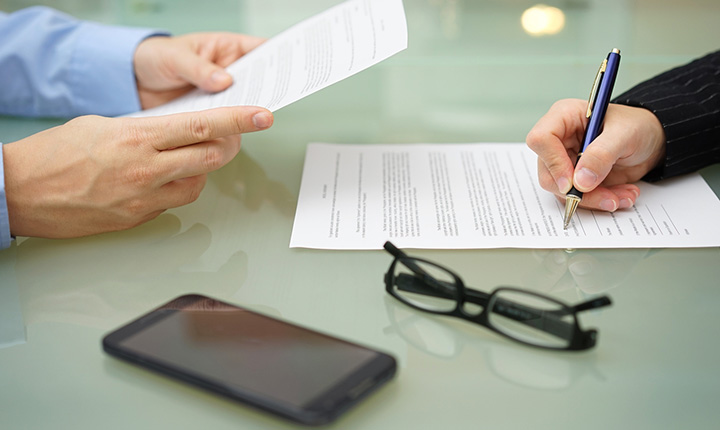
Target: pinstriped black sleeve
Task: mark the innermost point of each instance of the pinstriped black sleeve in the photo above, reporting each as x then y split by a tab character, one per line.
686	100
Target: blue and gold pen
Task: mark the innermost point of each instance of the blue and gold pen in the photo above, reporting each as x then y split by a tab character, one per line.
597	107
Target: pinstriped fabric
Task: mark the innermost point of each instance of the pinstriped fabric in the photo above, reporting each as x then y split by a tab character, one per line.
686	100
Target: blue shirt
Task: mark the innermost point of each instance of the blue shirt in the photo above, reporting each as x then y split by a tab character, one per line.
54	65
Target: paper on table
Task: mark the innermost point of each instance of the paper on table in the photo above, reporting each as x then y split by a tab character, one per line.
306	58
478	196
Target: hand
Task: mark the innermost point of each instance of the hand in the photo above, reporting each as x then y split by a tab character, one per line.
96	174
168	67
631	144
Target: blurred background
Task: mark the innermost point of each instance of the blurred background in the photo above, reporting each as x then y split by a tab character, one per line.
475	70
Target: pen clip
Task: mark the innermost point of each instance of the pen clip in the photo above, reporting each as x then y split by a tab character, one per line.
595	88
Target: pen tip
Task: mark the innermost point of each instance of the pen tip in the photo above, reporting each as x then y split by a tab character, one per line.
571	204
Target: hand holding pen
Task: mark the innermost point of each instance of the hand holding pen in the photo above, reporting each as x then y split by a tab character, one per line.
630	143
597	107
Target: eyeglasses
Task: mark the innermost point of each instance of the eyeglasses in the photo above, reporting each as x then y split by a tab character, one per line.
524	316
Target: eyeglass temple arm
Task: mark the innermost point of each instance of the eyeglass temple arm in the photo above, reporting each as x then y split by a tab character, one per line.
597	302
551	322
427	285
392	249
547	321
397	253
516	311
532	317
473	296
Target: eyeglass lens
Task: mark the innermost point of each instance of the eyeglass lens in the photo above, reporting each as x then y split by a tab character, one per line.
424	285
532	319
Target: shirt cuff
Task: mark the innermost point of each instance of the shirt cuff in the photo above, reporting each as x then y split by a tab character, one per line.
5	237
103	72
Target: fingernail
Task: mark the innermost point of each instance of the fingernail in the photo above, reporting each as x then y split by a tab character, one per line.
608	205
585	178
220	76
626	203
563	185
262	120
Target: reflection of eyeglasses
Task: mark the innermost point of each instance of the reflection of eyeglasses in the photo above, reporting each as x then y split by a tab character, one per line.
524	316
526	368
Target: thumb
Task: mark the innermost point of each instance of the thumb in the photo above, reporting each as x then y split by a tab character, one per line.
595	164
201	72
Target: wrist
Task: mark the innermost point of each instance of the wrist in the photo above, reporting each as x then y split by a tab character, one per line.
657	140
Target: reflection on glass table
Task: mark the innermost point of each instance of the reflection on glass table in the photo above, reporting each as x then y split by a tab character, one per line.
528	368
589	271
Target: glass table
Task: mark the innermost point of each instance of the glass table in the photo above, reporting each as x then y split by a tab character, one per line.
472	73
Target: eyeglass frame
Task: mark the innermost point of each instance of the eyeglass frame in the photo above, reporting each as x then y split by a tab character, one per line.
580	340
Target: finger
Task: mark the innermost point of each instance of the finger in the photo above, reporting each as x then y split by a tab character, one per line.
545	179
627	195
610	199
198	159
172	131
554	135
201	72
598	160
248	43
224	48
206	68
183	191
176	193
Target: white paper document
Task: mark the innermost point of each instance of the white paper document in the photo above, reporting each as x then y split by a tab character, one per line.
306	58
478	196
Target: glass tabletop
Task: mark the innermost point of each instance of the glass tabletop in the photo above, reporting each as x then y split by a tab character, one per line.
472	73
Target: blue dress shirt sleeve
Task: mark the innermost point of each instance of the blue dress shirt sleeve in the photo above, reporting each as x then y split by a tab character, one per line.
5	238
54	65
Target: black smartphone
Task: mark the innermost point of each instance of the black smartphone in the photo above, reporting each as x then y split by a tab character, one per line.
291	371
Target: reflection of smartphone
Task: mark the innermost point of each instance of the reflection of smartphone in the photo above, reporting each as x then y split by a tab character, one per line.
288	370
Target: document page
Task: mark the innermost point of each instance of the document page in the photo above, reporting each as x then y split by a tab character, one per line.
478	196
306	58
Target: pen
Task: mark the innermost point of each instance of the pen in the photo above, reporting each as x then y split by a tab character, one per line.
597	106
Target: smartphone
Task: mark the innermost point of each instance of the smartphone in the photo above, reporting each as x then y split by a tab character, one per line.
290	371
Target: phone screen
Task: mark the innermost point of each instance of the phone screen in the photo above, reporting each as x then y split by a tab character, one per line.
246	352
